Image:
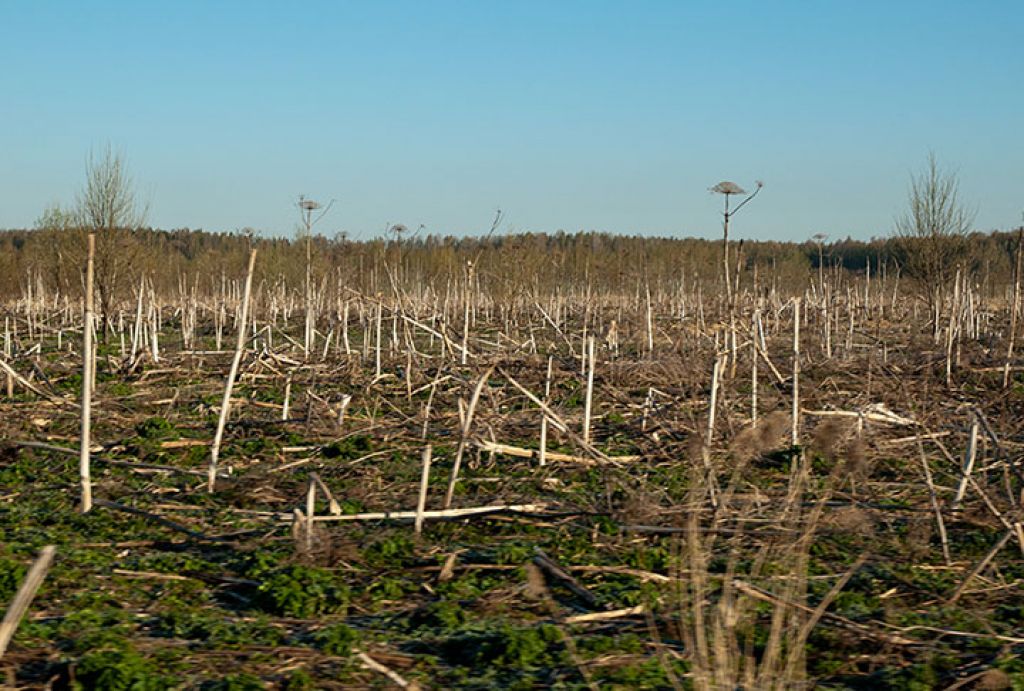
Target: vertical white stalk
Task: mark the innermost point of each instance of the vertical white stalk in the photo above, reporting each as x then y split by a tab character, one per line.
542	453
969	458
716	375
235	362
753	368
7	355
376	356
795	437
87	365
287	398
421	503
588	401
650	324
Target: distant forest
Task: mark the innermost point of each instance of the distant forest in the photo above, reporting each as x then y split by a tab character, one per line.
52	260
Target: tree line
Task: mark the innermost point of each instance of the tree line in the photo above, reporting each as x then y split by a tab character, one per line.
931	242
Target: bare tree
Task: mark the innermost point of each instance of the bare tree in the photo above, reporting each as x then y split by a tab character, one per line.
107	207
932	232
59	250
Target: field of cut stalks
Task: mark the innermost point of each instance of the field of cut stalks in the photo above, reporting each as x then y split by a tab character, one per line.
664	486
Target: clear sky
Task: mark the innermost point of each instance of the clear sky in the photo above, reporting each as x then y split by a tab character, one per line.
567	114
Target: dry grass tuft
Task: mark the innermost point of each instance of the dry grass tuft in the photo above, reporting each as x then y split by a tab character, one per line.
536	586
829	435
767	436
994	680
856	463
851	520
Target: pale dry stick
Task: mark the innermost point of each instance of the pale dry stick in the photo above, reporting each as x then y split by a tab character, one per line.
828	325
154	331
1014	309
588	401
345	401
733	347
647	409
137	328
287	397
716	375
970	456
494	447
980	566
7	354
391	674
87	368
439	334
650	324
333	506
558	329
344	331
426	410
583	352
465	318
763	352
605	616
464	440
28	386
557	420
155	575
526	509
953	324
27	591
235	362
796	373
977	488
421	503
753	367
933	496
543	451
310	513
376	352
308	327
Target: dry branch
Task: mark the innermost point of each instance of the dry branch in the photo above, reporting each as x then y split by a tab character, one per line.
23	598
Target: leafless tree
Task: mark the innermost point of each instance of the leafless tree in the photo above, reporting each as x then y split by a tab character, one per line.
932	232
107	206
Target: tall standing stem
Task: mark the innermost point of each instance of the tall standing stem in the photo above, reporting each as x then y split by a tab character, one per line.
1014	309
235	362
87	369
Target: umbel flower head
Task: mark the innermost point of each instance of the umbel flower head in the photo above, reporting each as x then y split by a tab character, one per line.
726	187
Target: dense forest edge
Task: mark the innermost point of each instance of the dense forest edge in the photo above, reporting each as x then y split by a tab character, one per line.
52	257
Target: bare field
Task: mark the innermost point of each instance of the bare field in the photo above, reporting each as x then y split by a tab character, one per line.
686	525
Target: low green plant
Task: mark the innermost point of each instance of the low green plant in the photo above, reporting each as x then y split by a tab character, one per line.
118	668
336	639
303	591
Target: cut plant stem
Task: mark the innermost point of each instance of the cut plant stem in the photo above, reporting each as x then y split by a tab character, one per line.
225	406
970	455
542	453
87	381
588	401
464	439
424	482
795	432
27	591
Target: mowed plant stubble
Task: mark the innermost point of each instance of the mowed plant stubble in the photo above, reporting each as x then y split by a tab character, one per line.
809	477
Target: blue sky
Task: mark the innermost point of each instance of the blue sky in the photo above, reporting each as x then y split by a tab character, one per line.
567	114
